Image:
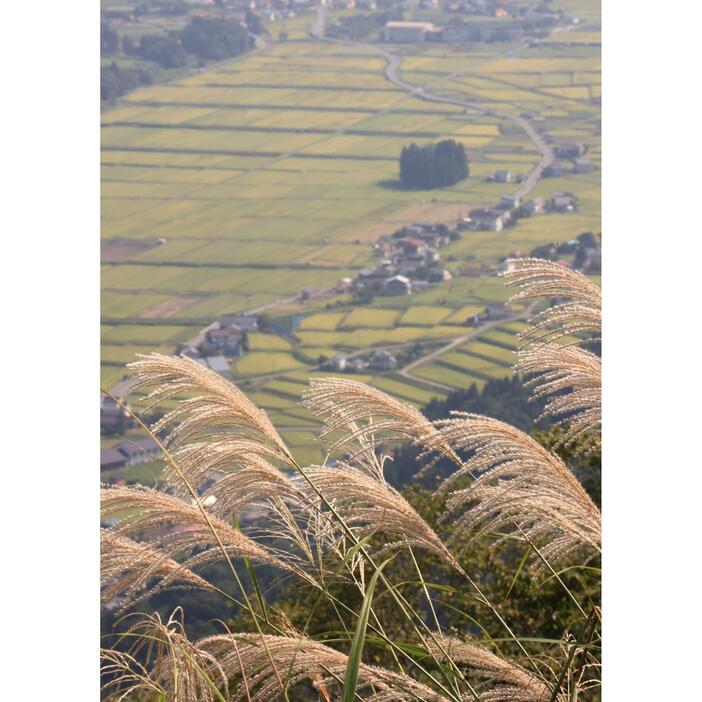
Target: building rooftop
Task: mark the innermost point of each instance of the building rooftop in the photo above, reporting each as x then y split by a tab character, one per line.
429	26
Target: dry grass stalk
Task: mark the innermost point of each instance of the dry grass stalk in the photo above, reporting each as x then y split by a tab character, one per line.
366	417
173	526
127	568
579	313
506	681
242	477
519	483
367	505
306	660
173	667
571	379
216	408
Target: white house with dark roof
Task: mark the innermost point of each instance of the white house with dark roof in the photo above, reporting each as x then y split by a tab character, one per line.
398	285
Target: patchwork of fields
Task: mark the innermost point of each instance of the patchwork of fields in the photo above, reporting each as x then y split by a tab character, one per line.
239	186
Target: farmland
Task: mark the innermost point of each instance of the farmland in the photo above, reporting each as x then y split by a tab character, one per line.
240	185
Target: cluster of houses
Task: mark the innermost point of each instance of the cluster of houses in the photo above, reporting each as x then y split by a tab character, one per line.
511	208
375	361
223	342
129	453
409	261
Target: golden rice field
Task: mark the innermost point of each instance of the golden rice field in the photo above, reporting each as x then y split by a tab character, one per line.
242	184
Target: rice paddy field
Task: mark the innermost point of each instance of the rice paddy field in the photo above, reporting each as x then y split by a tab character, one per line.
236	187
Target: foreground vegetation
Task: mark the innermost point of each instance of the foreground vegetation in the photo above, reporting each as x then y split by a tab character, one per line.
397	598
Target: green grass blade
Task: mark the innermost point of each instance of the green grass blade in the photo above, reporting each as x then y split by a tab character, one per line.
359	638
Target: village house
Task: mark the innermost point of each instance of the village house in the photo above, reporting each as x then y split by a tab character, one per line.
535	206
382	361
407	32
113	418
569	150
488	219
509	202
227	341
242	322
555	170
139	451
413	247
343	286
112	459
337	364
398	285
583	165
563	202
438	274
493	312
357	365
503	177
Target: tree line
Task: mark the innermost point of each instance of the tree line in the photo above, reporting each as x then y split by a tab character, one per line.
433	165
203	38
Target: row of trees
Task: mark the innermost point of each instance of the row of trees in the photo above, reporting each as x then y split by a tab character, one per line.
433	165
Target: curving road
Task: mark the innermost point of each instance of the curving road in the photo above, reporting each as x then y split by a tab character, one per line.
394	62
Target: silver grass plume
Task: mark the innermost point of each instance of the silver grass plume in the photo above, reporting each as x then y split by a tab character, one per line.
172	526
580	312
212	407
173	668
368	504
127	569
505	680
570	379
517	483
303	659
241	477
361	415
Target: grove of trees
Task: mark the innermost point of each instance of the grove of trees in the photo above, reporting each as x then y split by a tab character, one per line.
433	165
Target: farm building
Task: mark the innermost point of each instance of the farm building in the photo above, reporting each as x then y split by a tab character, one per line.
503	177
398	285
407	32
